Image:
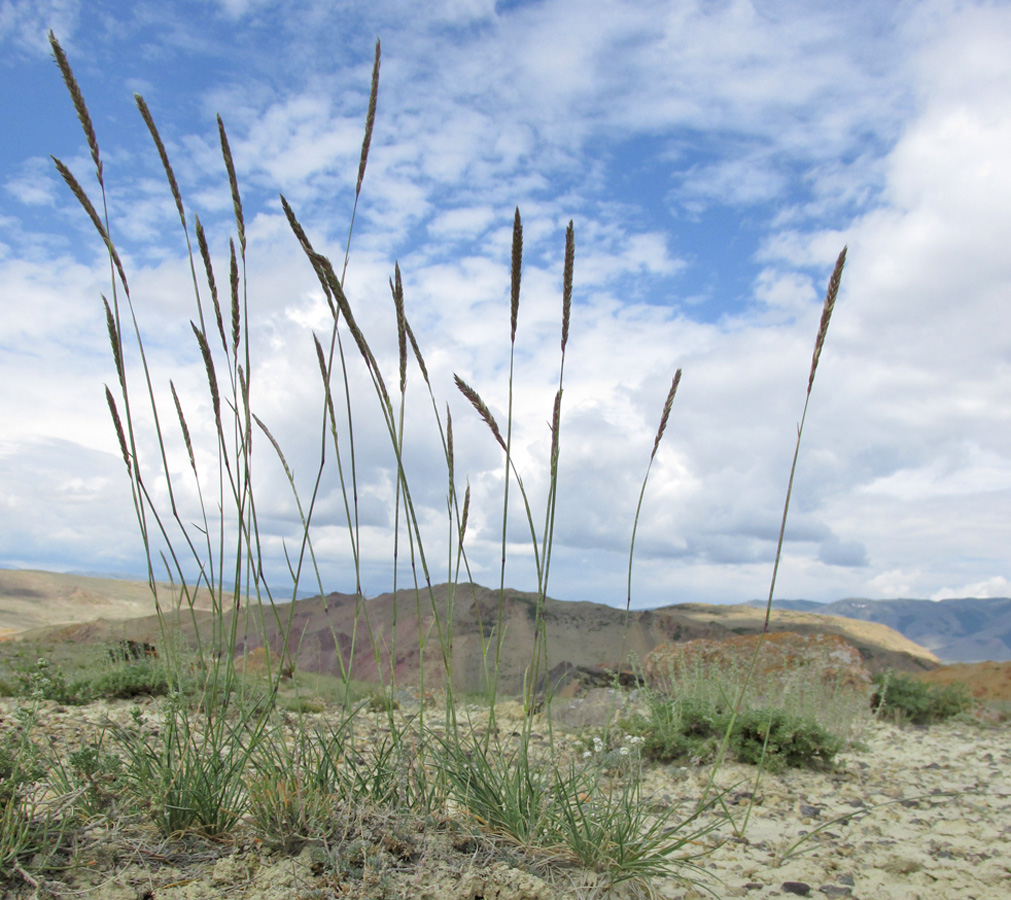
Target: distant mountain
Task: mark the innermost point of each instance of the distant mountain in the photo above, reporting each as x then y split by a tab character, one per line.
967	629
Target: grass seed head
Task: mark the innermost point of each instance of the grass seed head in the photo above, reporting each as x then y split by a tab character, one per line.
666	412
233	182
145	114
826	314
517	266
482	409
570	255
78	99
370	120
118	423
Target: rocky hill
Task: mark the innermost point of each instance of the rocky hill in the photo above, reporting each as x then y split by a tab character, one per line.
339	632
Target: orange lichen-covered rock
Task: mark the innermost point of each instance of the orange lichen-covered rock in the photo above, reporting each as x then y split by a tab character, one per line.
825	657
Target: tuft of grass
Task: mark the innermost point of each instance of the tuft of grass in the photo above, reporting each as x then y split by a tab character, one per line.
189	780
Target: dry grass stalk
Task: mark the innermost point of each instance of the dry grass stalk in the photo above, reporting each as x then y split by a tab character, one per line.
205	255
370	121
145	114
183	426
826	314
517	265
119	429
82	198
666	413
226	152
482	409
79	105
570	256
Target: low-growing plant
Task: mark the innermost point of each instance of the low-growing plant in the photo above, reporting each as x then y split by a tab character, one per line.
297	782
93	777
129	680
42	680
611	827
691	730
783	740
27	826
905	699
188	773
506	791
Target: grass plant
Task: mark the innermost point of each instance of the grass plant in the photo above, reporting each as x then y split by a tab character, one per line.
221	750
29	825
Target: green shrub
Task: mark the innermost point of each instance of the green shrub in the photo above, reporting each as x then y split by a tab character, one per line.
904	699
130	680
94	776
45	681
26	828
787	741
690	729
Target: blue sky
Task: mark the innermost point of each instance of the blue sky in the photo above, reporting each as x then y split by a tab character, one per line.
714	156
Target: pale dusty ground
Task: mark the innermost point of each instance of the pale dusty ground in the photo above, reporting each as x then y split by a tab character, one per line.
925	815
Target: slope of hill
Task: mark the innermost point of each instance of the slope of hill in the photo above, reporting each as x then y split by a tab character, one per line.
31	599
967	629
330	633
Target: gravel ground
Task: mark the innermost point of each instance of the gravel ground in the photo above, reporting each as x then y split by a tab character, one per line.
915	814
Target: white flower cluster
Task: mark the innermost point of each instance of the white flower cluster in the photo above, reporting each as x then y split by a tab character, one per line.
631	740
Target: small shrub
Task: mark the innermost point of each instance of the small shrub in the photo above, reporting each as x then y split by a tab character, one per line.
904	699
787	741
135	679
26	829
45	681
95	776
689	729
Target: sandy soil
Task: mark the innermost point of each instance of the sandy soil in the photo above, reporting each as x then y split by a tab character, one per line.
917	814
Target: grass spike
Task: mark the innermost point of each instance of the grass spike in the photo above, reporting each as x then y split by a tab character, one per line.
668	403
233	182
145	114
370	120
517	266
120	434
570	256
233	281
79	105
481	407
82	198
826	314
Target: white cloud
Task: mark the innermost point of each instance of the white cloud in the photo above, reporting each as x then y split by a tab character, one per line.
998	586
820	127
25	24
